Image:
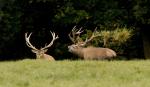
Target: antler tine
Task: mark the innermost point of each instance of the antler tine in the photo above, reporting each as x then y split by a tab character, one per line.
54	36
94	34
27	38
51	43
73	35
73	29
75	32
79	31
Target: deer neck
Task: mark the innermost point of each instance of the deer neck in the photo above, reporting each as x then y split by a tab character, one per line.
79	52
41	56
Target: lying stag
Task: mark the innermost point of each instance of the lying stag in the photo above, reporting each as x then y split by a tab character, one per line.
88	53
40	53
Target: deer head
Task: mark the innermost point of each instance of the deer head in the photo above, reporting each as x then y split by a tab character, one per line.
40	53
74	36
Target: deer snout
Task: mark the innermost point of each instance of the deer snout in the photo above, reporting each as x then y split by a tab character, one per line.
70	48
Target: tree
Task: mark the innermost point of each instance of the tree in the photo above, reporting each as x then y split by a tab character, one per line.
40	16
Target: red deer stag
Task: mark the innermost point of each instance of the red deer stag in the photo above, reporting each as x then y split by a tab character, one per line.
40	53
88	53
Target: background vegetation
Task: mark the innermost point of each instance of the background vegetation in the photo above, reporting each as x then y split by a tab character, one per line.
41	16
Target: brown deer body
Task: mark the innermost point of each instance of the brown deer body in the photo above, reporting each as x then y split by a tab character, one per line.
93	53
41	53
88	53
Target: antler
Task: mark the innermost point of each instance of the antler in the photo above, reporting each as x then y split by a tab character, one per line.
27	38
73	33
76	39
94	34
51	43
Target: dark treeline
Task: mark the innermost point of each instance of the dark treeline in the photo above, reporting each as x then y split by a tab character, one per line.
41	16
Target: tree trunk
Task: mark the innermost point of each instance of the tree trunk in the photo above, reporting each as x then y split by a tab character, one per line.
146	43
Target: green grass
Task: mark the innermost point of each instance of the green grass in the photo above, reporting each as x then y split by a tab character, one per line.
39	73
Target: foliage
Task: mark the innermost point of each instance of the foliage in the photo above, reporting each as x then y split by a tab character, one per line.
121	35
140	11
40	16
116	37
67	14
38	73
9	25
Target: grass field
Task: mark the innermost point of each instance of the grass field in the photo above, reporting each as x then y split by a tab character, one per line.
39	73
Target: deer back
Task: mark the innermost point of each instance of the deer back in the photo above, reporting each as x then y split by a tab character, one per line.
98	53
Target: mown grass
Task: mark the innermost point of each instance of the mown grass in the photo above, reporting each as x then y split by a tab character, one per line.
39	73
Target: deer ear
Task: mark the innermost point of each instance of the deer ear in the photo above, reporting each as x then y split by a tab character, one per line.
34	51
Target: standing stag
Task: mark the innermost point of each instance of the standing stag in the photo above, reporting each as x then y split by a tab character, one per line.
88	53
40	53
